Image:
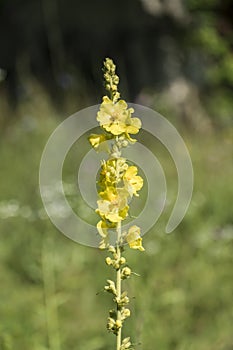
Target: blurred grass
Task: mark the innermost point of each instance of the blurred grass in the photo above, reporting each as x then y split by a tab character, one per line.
183	299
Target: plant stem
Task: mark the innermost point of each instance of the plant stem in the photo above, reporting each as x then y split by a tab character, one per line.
118	284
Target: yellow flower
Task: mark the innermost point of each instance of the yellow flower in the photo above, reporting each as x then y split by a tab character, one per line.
133	182
111	173
112	116
133	124
98	142
134	239
116	118
114	205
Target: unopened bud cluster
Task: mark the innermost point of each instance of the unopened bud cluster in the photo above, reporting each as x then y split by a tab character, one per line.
122	300
111	79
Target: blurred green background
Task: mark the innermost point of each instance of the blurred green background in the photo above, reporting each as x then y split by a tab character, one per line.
173	56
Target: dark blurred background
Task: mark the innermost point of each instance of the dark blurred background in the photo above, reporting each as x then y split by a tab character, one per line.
174	56
181	48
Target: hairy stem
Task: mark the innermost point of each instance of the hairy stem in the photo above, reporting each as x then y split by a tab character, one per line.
118	284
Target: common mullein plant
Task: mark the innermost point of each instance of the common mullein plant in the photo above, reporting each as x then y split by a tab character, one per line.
118	182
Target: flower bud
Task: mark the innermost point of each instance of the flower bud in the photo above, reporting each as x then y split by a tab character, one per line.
125	313
111	249
116	80
110	323
116	265
123	300
107	77
125	143
126	340
108	86
108	261
118	324
122	260
126	272
108	65
126	344
111	288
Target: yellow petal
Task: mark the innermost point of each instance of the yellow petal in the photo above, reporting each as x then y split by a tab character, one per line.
131	171
124	212
115	128
132	181
98	142
137	244
106	99
132	129
103	206
129	138
122	104
102	228
133	238
109	194
136	122
113	217
94	140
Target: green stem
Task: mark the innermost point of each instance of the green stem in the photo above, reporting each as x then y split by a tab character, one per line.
118	284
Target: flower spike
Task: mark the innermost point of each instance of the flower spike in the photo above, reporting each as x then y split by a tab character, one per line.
118	183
